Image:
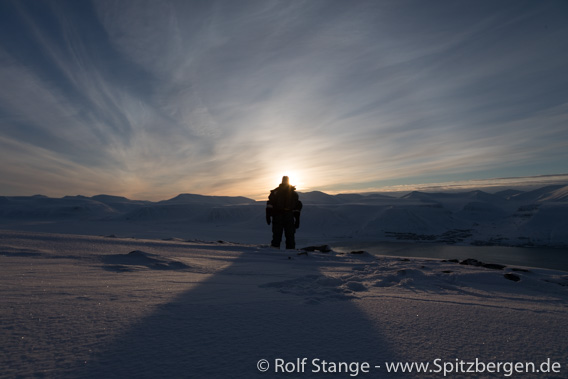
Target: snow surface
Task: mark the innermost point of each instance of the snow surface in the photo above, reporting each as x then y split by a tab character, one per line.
77	306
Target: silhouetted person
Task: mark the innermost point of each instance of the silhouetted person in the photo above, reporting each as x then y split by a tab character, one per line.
283	207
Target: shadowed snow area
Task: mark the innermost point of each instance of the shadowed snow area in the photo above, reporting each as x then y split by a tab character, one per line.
139	259
93	307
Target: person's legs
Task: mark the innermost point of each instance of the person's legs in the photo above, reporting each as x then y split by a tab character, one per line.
277	229
289	230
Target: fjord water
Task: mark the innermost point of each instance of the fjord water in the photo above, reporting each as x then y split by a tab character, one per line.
543	257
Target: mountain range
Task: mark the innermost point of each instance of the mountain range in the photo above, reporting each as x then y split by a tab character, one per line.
510	217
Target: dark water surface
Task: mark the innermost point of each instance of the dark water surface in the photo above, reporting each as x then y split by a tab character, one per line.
543	257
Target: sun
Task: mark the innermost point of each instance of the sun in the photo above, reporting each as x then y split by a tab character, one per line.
294	176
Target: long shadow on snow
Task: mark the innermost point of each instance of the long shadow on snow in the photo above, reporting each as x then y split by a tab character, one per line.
199	336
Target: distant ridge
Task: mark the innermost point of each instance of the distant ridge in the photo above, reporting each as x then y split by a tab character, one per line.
538	194
187	198
560	194
508	218
436	196
507	194
105	198
318	197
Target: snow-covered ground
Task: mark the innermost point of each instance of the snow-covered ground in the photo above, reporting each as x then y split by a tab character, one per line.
75	306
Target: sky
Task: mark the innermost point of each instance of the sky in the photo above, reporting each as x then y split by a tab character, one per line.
149	99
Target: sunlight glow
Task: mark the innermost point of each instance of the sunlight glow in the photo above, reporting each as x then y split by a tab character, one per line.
294	176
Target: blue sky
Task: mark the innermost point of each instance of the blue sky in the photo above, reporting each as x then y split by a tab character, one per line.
148	99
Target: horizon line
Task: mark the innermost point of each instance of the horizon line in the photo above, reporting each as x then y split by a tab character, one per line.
495	183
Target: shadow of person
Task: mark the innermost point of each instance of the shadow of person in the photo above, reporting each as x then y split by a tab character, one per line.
263	305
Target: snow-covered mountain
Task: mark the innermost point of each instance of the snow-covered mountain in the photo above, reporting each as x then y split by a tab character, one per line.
512	217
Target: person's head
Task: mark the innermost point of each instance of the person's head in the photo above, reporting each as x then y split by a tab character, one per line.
285	180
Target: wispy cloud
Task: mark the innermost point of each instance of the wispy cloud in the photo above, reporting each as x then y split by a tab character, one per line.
153	99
